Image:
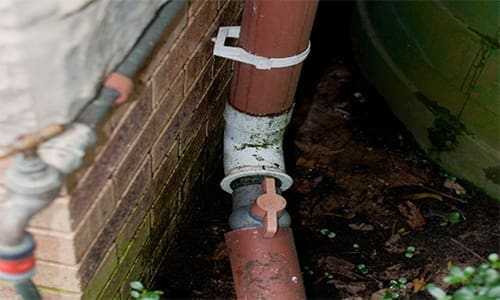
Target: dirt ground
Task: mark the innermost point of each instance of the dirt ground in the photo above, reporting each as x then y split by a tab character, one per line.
364	194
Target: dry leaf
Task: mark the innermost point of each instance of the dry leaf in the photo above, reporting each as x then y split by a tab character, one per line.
418	285
220	252
361	227
352	288
337	266
378	295
305	162
413	215
452	185
391	244
423	196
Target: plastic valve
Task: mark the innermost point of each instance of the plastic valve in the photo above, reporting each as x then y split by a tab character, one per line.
269	206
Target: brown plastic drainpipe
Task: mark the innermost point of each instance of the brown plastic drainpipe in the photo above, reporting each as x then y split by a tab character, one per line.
267	267
274	29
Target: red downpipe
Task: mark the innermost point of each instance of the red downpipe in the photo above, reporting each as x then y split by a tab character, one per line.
274	29
263	267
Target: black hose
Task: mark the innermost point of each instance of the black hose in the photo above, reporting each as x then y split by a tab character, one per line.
95	111
27	290
152	34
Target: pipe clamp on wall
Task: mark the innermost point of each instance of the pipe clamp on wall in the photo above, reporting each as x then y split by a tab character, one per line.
241	55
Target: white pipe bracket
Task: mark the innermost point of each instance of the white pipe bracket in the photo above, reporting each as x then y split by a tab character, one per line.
241	55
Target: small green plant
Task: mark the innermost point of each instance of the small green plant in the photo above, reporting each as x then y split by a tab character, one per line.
451	218
410	251
363	269
140	292
482	283
359	96
396	287
308	271
328	233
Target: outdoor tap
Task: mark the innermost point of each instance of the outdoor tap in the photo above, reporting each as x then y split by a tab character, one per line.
30	186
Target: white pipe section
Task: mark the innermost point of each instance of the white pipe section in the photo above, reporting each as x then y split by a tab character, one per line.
253	146
65	151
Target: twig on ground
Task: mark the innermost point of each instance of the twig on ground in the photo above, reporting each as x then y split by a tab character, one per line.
468	249
442	194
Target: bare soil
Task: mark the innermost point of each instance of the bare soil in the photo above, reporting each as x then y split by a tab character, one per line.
364	192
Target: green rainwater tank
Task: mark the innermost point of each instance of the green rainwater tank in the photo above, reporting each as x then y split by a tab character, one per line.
436	63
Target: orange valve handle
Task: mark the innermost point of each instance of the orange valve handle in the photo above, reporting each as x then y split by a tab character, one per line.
269	206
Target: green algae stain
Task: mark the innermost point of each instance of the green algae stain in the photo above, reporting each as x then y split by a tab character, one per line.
493	174
447	127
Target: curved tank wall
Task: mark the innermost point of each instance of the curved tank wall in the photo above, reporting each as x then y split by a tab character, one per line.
436	63
54	55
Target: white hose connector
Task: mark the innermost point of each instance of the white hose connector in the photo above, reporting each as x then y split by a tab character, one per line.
253	146
65	151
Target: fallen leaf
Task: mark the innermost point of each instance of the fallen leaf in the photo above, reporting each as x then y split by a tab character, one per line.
352	288
391	272
423	196
220	252
378	295
418	285
337	266
305	162
391	245
452	185
413	215
361	227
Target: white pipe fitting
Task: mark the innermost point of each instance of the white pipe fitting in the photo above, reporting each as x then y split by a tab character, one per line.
65	151
253	146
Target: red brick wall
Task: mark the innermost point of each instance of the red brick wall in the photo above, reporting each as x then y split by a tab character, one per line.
118	214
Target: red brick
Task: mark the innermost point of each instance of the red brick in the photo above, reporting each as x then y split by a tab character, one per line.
202	54
55	217
170	36
183	49
102	274
231	12
93	182
167	110
55	248
93	257
194	6
173	96
57	276
125	262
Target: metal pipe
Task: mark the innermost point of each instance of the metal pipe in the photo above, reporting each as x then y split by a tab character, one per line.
30	185
33	183
27	290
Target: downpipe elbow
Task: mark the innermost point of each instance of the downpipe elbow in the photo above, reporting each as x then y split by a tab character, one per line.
253	146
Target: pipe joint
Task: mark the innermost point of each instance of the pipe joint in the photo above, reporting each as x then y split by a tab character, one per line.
65	152
253	146
245	192
30	185
32	178
17	263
